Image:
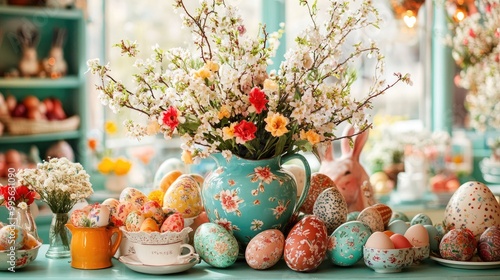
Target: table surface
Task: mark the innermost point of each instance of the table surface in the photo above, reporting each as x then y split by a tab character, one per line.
43	268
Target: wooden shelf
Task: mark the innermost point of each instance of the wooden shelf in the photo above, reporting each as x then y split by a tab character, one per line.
64	82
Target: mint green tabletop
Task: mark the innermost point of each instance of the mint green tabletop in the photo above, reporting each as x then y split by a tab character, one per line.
43	268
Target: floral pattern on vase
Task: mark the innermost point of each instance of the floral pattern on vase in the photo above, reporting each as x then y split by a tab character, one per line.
250	196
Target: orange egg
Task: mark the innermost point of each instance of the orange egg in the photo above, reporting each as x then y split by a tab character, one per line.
388	233
149	225
400	241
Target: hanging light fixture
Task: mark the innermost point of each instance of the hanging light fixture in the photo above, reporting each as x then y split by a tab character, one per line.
460	9
407	10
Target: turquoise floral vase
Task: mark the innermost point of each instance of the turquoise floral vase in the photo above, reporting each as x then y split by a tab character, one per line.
250	196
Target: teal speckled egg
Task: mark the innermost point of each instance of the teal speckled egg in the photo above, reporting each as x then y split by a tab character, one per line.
346	243
215	245
422	219
397	215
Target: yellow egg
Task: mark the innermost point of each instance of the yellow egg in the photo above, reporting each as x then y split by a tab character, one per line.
184	196
168	179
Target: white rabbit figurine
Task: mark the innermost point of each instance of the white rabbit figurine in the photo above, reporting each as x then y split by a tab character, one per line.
351	178
28	65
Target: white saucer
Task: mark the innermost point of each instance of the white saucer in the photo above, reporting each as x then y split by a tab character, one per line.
133	263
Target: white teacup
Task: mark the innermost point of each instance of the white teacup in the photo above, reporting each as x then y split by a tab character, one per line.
164	254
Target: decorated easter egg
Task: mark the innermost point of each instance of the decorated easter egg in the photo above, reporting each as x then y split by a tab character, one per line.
346	243
372	218
134	221
113	204
472	206
422	219
306	244
99	215
434	238
184	196
152	209
458	244
397	215
319	183
398	226
379	240
149	225
122	210
134	196
417	235
265	249
215	245
352	216
488	247
12	236
167	166
331	208
79	218
173	223
385	211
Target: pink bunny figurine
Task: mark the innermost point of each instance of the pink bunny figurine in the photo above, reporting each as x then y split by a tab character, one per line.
348	174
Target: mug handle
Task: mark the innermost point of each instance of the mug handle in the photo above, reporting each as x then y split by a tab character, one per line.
185	258
116	245
307	169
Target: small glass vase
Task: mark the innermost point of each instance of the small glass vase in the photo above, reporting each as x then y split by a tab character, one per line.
24	219
59	237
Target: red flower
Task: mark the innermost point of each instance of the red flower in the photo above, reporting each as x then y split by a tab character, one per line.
258	99
472	33
244	131
17	194
170	117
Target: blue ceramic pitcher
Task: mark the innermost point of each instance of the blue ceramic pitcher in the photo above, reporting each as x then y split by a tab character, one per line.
250	196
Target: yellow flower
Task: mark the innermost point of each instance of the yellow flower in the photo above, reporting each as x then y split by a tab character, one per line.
106	165
228	132
276	124
270	85
110	127
156	195
212	66
310	136
187	157
122	166
223	113
203	73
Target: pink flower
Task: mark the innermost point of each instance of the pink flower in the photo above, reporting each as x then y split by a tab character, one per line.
258	99
169	117
229	200
264	174
472	33
244	131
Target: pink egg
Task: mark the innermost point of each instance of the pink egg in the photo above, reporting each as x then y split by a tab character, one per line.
265	249
417	235
379	240
152	209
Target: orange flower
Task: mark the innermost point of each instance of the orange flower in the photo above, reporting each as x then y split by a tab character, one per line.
276	124
92	144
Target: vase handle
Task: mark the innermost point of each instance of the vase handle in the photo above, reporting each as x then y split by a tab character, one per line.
307	169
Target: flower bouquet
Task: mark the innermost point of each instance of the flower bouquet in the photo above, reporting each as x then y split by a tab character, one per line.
475	46
60	184
221	98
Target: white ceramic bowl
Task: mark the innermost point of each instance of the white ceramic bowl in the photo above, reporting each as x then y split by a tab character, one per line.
19	258
388	260
143	237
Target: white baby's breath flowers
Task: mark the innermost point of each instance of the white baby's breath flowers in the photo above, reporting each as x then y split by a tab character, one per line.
59	182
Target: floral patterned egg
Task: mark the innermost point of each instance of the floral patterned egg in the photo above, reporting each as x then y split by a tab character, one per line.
215	245
265	249
345	245
488	247
99	215
134	220
372	218
422	219
306	244
79	218
152	209
458	244
184	197
13	236
173	223
385	211
134	196
124	208
472	206
113	204
331	208
319	183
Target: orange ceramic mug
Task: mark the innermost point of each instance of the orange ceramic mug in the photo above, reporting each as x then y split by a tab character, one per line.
92	248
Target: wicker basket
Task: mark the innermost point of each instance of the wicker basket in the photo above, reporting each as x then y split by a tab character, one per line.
24	126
